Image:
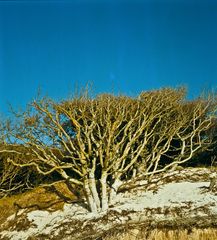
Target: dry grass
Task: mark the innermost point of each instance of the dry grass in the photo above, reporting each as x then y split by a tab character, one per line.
47	198
165	234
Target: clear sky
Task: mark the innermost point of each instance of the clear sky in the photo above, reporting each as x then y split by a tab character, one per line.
123	46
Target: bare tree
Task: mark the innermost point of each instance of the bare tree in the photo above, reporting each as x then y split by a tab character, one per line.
100	143
14	178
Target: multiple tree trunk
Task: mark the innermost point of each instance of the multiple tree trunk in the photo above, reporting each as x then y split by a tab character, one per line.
99	144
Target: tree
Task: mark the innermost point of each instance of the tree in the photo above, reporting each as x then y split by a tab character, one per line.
100	143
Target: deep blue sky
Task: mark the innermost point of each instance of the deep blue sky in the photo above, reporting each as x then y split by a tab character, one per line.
126	46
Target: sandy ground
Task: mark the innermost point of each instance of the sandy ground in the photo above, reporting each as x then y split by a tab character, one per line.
168	200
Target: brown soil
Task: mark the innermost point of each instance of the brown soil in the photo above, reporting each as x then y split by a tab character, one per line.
50	198
165	234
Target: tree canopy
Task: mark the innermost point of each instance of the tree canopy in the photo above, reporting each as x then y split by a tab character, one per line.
100	143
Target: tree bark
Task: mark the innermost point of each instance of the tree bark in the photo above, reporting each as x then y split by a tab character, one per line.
104	191
213	182
113	191
90	200
94	191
